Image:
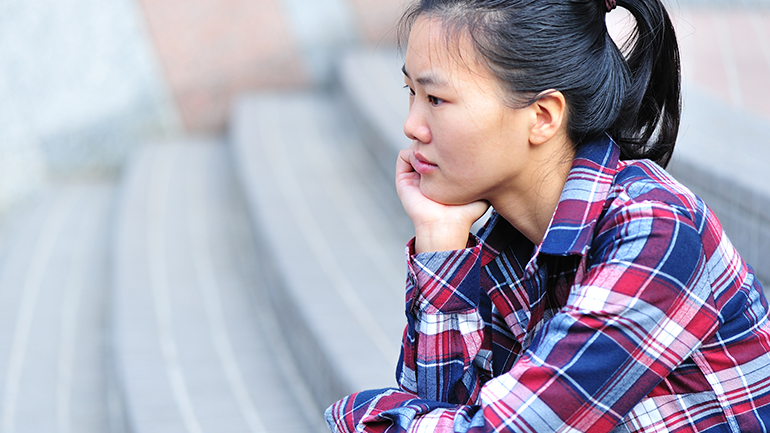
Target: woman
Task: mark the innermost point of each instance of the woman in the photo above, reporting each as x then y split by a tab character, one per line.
602	295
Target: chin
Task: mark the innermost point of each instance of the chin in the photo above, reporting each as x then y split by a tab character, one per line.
441	195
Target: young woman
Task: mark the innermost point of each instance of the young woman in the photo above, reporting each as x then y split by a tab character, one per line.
602	295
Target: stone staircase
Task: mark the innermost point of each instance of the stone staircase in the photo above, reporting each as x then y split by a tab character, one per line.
332	232
195	348
55	372
243	283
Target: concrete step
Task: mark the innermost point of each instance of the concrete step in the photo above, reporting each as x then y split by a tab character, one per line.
372	85
722	154
54	353
196	347
332	230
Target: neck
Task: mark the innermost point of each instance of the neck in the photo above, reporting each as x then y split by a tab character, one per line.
529	204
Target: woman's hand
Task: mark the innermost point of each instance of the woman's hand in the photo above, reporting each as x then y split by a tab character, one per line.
437	227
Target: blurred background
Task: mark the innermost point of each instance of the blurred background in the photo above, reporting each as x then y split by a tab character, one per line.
84	81
191	193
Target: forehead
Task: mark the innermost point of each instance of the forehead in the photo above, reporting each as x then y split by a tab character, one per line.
437	55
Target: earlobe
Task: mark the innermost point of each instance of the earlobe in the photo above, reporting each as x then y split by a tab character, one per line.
550	116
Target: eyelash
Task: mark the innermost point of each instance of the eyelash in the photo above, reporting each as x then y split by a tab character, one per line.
434	101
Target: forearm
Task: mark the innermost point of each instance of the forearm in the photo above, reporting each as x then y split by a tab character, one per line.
394	411
444	331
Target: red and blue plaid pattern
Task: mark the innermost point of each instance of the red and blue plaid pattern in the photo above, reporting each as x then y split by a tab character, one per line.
635	314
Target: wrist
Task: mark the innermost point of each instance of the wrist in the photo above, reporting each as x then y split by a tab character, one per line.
440	238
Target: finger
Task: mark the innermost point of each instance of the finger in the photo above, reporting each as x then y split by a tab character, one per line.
480	208
402	164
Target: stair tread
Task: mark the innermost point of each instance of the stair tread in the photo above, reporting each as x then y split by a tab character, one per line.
334	229
191	339
53	275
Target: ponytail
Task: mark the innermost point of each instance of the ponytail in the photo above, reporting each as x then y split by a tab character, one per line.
532	46
648	123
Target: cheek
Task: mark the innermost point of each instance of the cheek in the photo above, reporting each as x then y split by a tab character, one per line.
469	151
458	182
465	157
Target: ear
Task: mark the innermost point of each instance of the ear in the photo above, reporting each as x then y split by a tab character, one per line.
550	112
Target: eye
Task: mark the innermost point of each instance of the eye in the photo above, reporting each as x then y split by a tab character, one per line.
411	91
434	101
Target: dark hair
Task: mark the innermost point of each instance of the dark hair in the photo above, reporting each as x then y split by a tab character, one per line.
535	45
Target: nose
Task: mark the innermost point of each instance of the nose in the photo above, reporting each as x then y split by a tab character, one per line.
415	126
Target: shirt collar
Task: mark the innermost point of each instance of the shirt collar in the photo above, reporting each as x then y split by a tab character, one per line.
582	200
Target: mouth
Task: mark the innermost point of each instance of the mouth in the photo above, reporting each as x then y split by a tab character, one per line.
421	164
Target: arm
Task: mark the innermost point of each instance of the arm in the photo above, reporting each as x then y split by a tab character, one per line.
444	329
442	338
441	308
643	306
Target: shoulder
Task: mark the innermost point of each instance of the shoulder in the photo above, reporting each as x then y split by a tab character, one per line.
644	183
649	213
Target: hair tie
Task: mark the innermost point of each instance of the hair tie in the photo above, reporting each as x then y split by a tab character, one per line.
610	4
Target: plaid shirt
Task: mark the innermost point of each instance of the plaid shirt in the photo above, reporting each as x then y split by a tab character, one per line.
635	314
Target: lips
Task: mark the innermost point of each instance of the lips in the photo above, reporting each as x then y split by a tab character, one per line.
421	165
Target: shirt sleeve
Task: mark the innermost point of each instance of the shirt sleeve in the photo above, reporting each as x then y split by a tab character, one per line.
643	306
444	328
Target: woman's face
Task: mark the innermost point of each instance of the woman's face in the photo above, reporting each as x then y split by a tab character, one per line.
466	144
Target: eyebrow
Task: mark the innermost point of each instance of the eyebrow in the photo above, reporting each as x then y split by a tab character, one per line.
425	81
